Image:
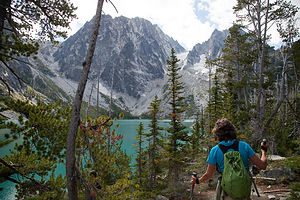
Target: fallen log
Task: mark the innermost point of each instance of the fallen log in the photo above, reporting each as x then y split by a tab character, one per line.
278	190
265	178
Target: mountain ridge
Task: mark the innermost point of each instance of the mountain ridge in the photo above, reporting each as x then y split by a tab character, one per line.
130	58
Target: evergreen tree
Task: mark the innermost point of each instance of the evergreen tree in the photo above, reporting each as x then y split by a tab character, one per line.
23	23
91	155
258	17
177	133
238	56
140	159
156	142
215	106
196	135
43	129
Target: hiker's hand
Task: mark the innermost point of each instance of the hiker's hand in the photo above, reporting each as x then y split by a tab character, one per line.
193	180
264	146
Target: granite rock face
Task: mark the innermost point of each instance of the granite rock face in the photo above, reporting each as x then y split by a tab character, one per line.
129	52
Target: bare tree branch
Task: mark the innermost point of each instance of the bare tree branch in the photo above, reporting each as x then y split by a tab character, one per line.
13	58
112	5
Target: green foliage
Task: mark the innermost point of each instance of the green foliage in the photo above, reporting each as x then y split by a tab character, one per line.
155	144
178	134
191	109
99	149
123	189
43	129
274	82
233	77
39	168
215	106
20	18
197	136
292	162
295	194
140	159
5	142
93	111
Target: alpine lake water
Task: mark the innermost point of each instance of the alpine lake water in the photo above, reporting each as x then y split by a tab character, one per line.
128	128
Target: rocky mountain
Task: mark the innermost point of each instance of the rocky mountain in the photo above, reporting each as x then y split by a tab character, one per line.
210	48
129	61
131	52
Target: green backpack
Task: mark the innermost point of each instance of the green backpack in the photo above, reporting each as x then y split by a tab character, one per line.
236	180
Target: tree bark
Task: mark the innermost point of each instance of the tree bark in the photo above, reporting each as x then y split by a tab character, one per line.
75	118
259	20
89	102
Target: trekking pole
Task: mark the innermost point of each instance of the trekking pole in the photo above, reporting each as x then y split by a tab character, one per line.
254	184
193	185
254	170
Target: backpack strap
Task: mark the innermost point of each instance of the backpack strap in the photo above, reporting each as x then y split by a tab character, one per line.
234	146
224	149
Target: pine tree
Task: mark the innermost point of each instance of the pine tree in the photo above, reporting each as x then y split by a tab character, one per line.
235	78
17	22
43	129
156	142
112	171
177	133
215	105
238	56
140	153
259	16
196	135
22	21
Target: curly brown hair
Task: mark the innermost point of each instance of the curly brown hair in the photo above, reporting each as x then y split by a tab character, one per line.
224	130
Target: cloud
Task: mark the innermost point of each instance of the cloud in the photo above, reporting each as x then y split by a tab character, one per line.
220	12
187	21
176	18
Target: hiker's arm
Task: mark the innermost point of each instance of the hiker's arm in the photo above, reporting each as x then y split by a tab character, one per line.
208	174
262	162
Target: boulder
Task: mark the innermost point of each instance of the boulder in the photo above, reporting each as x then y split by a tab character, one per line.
160	197
271	197
275	158
280	174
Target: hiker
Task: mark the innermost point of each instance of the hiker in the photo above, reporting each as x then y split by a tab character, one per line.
94	187
226	134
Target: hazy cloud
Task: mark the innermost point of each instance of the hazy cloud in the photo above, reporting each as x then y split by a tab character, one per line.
187	21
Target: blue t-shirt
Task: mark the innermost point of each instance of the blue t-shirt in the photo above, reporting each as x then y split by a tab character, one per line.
216	155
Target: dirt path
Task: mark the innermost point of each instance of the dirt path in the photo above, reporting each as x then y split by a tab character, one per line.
275	192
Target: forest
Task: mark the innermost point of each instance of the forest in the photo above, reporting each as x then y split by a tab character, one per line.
252	84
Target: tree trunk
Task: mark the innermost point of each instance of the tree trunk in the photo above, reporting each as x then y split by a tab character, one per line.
261	33
282	92
98	80
140	160
75	118
110	111
89	102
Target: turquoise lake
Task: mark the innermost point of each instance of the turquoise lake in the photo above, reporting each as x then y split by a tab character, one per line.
127	128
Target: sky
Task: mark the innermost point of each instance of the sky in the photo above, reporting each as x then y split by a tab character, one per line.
187	21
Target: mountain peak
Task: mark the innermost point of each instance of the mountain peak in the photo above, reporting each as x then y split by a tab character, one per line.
210	48
133	51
